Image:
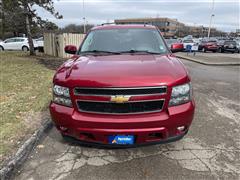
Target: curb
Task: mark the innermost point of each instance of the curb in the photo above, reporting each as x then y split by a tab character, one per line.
209	64
24	151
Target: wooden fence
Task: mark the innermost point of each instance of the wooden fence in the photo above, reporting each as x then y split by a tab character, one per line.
54	43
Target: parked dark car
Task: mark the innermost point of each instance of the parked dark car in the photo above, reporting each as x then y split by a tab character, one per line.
228	46
210	45
238	46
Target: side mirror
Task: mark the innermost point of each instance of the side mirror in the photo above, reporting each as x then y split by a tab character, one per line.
70	49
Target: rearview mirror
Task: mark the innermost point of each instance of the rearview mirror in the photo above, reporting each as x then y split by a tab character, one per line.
70	49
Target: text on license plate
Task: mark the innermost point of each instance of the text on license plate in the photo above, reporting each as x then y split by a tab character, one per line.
121	139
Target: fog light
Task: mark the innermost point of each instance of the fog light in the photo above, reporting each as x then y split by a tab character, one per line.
181	128
63	128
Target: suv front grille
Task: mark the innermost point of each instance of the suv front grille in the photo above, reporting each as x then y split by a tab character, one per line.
120	91
130	107
125	108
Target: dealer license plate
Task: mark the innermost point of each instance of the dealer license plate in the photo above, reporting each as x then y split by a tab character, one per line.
121	139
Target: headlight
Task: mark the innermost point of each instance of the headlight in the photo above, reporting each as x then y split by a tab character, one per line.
61	91
61	95
181	94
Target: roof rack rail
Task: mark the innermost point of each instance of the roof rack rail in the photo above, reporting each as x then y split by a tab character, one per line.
108	23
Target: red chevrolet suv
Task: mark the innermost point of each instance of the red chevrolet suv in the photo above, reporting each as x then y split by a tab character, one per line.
122	87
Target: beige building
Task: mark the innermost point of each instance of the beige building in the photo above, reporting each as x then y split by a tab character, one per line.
171	27
167	26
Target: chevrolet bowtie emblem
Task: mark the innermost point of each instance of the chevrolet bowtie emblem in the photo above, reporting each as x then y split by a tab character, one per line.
120	99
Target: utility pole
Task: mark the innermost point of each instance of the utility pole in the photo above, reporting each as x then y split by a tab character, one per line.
84	19
211	18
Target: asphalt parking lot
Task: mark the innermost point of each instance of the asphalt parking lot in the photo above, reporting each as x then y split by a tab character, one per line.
211	149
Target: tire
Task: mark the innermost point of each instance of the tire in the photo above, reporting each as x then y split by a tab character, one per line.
64	137
221	50
203	50
1	48
25	48
40	49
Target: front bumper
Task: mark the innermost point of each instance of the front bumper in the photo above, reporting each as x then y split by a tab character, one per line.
149	128
230	49
113	146
212	48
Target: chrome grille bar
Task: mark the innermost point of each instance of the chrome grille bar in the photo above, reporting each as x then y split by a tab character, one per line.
135	91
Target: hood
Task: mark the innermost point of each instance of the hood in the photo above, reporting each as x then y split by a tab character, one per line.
122	71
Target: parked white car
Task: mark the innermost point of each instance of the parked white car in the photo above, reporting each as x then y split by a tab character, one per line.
188	42
40	42
17	43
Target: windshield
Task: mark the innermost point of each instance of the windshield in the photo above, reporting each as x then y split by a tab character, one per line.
171	41
124	40
212	41
230	42
188	41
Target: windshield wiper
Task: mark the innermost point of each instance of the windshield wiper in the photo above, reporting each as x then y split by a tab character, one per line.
98	52
139	51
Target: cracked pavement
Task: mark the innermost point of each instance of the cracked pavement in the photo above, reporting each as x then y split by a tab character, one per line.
211	149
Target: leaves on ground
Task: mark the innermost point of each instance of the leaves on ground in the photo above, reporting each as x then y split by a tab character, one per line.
25	85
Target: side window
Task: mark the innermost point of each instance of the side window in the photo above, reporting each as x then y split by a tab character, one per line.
9	40
40	39
19	40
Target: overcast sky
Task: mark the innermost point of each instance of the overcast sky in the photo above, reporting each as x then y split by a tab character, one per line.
191	12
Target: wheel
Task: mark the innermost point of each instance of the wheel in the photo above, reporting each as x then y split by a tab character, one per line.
40	49
25	48
64	137
203	50
1	48
221	50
